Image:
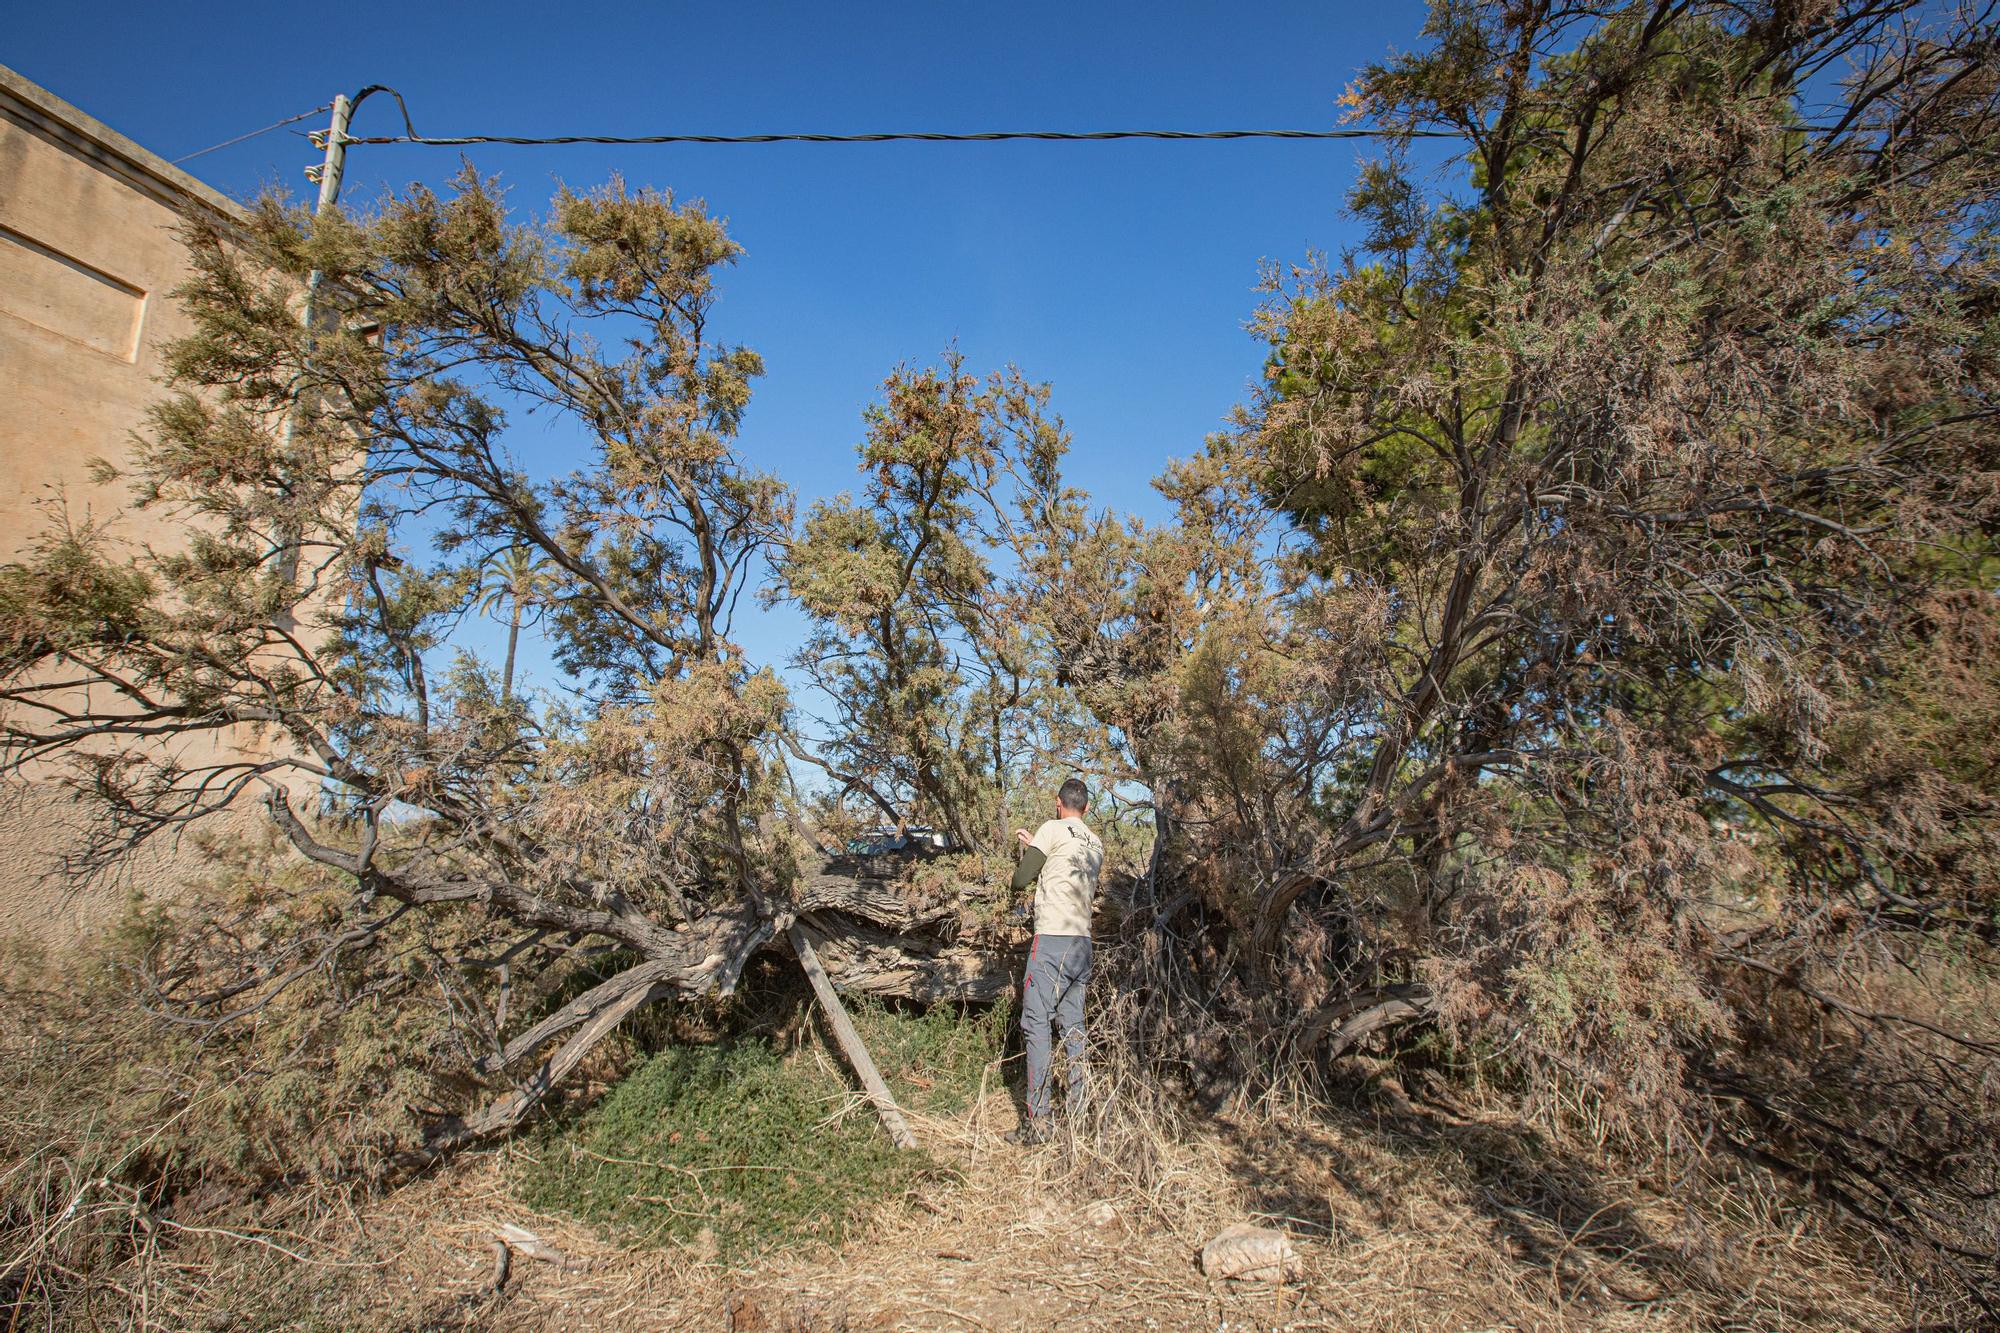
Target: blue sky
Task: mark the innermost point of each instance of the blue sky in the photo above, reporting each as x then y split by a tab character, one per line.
1121	273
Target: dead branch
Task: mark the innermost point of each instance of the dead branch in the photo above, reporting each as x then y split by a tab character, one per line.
1364	1015
850	1042
1313	1031
511	1237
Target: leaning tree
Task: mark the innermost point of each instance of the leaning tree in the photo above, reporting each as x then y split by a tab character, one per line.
1658	462
342	482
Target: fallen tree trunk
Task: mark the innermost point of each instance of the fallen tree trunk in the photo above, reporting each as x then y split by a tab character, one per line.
879	899
863	960
860	938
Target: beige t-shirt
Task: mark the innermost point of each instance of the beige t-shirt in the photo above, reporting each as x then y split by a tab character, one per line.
1069	876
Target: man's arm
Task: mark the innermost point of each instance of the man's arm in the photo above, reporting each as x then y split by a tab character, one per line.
1029	868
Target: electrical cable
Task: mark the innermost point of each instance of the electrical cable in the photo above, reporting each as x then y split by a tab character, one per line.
991	136
410	135
291	120
409	128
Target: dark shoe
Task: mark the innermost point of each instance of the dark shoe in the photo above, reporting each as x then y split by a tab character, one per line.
1032	1133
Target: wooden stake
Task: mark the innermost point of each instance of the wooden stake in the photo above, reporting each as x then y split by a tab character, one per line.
850	1042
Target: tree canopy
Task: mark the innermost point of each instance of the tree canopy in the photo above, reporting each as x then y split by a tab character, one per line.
1583	635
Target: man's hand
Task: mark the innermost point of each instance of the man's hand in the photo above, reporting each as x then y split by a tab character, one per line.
1022	837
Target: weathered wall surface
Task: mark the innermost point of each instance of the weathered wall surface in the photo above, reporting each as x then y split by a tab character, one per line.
89	253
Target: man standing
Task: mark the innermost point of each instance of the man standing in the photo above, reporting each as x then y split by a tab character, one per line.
1062	861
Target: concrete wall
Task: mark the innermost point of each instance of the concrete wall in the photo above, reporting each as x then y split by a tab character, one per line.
88	257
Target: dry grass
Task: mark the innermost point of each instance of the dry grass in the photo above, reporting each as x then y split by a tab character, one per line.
1417	1215
1418	1219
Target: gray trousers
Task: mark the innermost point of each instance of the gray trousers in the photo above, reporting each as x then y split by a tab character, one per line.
1058	967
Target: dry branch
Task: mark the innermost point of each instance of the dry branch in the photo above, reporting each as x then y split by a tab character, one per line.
1362	1015
851	1044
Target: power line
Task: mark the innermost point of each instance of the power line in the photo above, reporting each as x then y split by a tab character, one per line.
991	136
410	135
289	120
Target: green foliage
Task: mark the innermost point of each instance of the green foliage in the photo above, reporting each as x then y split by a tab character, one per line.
741	1146
732	1146
66	594
924	638
936	1059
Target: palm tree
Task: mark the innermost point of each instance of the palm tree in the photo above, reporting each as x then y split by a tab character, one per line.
520	580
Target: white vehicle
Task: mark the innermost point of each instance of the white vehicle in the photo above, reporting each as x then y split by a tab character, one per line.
881	840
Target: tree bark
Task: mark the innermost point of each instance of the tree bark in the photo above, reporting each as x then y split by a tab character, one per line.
513	638
864	960
879	900
506	1112
1362	1015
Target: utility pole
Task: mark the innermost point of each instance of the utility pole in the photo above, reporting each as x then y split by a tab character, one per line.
335	143
327	176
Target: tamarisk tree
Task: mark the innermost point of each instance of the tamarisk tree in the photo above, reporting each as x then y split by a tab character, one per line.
1606	641
923	594
343	485
1648	461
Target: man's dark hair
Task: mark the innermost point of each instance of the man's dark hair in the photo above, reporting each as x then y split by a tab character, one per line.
1074	795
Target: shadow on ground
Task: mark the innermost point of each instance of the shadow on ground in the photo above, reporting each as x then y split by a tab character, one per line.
1572	1234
